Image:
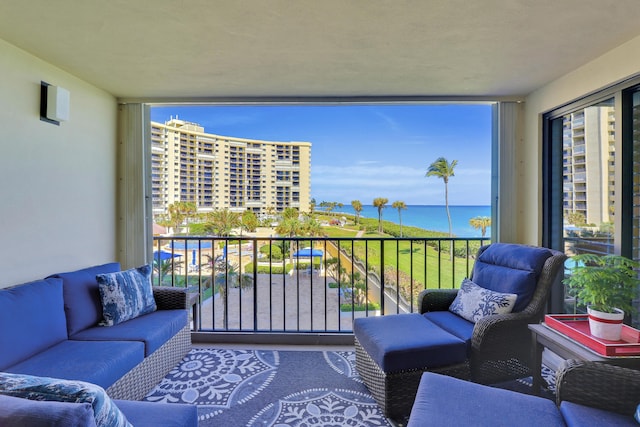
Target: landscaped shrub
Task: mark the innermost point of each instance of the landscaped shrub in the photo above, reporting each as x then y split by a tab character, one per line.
272	251
371	306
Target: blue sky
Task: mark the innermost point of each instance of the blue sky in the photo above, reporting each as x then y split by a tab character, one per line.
367	151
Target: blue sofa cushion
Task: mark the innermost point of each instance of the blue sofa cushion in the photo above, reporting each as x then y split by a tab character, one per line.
105	412
153	329
81	296
126	295
97	362
408	341
511	268
18	412
443	400
578	415
474	302
453	324
154	414
32	320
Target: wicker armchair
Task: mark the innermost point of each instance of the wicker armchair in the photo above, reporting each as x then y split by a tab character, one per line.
599	385
501	344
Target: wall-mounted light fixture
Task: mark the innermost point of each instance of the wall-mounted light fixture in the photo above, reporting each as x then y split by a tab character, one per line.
54	103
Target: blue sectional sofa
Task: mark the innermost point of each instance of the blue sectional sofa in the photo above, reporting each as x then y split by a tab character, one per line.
588	394
50	328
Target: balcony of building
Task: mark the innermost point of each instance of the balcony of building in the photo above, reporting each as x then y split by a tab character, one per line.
309	288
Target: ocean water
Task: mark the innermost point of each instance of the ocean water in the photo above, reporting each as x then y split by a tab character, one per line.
429	217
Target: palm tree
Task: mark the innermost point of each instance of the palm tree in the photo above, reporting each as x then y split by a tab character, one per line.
441	168
400	205
222	222
357	207
481	222
249	221
290	226
380	202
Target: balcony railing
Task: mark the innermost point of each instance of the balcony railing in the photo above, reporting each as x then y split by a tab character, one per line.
307	285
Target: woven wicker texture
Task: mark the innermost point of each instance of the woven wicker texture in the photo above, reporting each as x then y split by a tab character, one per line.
395	391
501	346
170	298
139	381
599	385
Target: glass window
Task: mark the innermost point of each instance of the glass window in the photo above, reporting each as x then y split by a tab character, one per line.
592	183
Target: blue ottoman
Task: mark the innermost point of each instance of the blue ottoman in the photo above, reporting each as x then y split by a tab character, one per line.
446	401
393	351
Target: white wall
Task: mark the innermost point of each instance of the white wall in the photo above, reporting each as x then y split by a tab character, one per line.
57	183
612	67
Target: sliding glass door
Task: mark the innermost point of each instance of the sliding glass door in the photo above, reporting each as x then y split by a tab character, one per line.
592	181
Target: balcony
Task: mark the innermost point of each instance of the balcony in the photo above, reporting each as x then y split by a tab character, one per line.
253	286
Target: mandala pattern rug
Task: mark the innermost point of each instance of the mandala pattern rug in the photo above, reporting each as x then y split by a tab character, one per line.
271	388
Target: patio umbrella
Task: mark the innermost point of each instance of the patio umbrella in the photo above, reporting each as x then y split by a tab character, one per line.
164	255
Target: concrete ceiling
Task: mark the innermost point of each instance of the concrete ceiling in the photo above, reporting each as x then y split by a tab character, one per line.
278	48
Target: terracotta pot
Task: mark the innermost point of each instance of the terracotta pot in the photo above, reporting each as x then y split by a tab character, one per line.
607	326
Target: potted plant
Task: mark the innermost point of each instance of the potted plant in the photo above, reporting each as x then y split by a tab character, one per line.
607	285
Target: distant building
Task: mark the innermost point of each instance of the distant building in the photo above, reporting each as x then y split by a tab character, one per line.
217	172
589	164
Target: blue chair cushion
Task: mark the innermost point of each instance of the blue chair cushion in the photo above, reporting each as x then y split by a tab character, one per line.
153	414
153	329
125	295
512	269
82	303
408	341
97	362
105	412
578	415
32	319
448	401
18	412
453	324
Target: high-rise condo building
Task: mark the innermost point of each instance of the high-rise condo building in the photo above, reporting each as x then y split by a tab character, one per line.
217	172
589	164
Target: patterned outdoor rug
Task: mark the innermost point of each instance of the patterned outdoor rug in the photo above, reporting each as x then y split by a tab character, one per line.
270	388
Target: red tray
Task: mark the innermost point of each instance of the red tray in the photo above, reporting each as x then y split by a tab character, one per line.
576	327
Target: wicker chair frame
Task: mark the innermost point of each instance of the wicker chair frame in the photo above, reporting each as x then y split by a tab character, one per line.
500	346
139	381
599	385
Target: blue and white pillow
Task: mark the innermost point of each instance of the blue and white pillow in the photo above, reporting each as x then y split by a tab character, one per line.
105	411
474	302
126	295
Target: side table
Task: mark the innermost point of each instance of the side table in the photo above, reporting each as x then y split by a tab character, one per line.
543	337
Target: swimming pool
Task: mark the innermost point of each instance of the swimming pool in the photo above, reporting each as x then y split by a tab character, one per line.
199	244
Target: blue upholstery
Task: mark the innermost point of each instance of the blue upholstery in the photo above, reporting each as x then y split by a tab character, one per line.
18	412
32	319
578	415
82	297
154	329
98	362
448	401
408	341
453	324
511	268
154	414
105	412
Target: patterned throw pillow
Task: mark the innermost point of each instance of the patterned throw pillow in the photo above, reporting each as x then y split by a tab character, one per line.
474	302
105	412
126	295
